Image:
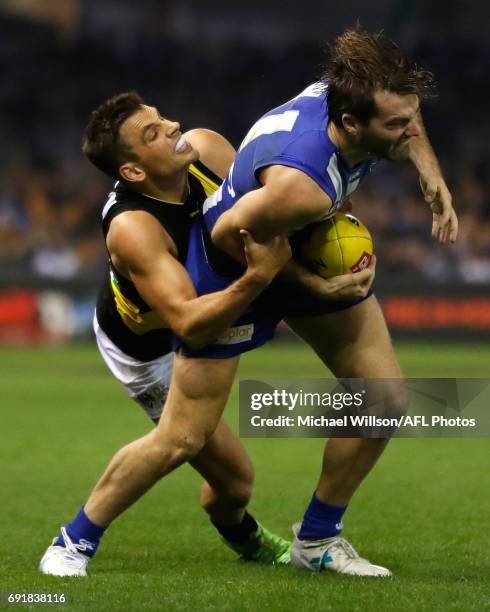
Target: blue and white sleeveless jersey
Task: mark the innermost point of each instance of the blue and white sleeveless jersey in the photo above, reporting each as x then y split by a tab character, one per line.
294	134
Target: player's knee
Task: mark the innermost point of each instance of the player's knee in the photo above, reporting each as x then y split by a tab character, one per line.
397	399
386	397
171	451
186	446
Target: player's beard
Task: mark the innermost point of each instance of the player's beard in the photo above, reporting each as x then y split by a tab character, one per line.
383	148
400	151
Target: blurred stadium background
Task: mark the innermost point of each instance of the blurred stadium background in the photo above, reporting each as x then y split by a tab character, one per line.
220	65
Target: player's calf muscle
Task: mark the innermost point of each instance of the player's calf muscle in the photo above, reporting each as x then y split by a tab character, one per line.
235	496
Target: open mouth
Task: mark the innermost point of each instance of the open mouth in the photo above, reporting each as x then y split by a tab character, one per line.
182	145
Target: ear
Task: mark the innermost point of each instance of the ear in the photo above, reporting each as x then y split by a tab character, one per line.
350	124
132	172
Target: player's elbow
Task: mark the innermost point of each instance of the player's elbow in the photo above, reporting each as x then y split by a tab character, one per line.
184	329
193	335
226	234
195	341
190	324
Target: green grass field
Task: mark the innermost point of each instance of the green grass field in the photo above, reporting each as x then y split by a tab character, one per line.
423	512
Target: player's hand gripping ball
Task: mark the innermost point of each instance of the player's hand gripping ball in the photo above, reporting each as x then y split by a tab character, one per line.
339	245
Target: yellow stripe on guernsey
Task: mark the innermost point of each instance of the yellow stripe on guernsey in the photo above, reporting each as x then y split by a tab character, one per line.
139	323
208	184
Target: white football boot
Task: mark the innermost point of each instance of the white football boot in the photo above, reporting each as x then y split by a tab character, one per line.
333	554
65	560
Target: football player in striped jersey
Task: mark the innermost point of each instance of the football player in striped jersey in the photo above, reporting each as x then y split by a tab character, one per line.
162	178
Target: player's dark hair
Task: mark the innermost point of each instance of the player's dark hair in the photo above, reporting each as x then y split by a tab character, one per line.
360	63
102	142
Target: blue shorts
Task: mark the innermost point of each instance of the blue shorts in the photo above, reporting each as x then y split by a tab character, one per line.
257	325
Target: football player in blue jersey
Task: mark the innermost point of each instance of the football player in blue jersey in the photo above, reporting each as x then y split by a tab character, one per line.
298	165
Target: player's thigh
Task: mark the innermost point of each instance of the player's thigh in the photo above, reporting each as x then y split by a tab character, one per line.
353	343
146	382
199	390
224	462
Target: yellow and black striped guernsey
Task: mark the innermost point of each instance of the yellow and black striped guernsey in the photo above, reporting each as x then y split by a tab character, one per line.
121	312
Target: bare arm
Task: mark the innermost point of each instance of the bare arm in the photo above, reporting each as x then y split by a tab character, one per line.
141	247
434	188
214	150
287	201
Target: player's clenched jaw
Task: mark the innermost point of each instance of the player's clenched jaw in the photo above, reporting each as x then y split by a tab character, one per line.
158	149
373	94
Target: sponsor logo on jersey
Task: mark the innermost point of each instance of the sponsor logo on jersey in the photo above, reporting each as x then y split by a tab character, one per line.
235	335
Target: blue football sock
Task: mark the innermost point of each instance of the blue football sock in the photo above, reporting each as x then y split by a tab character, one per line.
321	520
82	532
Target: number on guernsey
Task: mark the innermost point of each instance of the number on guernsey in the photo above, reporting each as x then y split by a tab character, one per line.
283	122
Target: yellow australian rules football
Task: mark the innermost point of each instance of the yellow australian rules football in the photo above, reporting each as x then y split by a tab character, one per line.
339	245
